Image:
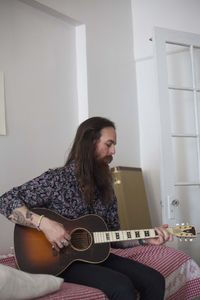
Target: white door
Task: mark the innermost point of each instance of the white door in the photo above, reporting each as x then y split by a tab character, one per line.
177	57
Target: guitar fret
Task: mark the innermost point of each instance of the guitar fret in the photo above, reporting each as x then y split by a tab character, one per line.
107	236
129	236
102	236
112	233
117	235
137	234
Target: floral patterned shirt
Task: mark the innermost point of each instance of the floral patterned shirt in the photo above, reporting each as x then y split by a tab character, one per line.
59	190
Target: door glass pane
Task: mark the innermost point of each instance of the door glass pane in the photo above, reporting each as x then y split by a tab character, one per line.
185	159
179	66
182	112
197	66
198	109
187	195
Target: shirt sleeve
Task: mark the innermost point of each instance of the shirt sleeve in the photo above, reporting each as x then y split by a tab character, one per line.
34	193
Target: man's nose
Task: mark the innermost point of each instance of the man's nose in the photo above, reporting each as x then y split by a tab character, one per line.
112	149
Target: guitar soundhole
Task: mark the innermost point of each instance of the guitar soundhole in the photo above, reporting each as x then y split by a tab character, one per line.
81	239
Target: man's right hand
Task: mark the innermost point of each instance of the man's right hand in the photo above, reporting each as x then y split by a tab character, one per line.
55	233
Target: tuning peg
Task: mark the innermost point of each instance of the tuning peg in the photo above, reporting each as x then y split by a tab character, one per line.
177	224
180	239
182	224
186	240
191	240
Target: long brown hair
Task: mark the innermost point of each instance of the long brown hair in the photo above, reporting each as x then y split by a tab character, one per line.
91	173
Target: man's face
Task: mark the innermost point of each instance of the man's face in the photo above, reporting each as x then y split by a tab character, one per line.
105	146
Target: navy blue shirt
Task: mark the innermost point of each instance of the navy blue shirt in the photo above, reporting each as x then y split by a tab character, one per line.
59	190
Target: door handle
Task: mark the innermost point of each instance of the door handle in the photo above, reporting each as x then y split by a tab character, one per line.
175	202
172	206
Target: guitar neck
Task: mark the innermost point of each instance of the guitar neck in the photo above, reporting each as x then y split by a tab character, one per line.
123	235
183	231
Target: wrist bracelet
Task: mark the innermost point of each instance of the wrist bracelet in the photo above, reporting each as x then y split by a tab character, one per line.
39	222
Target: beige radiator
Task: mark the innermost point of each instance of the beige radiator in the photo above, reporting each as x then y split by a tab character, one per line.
131	197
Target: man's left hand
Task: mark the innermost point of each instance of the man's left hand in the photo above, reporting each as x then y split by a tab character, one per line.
163	236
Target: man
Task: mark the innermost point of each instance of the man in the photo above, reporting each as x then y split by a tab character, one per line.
84	186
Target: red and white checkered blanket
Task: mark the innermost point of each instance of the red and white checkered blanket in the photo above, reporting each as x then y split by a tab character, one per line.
181	273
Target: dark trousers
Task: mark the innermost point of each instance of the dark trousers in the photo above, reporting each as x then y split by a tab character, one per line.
119	278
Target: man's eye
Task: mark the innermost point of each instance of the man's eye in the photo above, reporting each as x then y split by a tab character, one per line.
108	145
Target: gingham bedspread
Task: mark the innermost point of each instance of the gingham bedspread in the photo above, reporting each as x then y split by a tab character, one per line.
181	273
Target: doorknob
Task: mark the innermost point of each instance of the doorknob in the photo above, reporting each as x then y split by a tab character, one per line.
172	206
175	202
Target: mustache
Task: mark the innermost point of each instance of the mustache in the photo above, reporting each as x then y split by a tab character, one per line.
109	158
105	160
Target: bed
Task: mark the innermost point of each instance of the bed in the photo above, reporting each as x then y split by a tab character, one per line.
181	272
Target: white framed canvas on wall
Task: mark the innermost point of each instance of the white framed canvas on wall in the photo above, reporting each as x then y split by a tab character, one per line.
2	105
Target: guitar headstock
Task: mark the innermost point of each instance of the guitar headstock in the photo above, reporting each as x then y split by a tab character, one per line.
183	231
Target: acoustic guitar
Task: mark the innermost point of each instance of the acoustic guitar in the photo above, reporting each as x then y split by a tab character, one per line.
90	242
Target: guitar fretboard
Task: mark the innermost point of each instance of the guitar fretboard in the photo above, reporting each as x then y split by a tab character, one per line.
123	235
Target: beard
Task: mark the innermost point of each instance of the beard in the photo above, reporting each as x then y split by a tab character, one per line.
95	177
103	178
107	159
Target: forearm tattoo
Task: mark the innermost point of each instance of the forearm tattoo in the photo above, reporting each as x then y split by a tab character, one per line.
18	218
29	215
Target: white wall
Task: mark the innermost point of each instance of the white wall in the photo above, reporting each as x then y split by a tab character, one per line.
37	55
110	65
182	15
